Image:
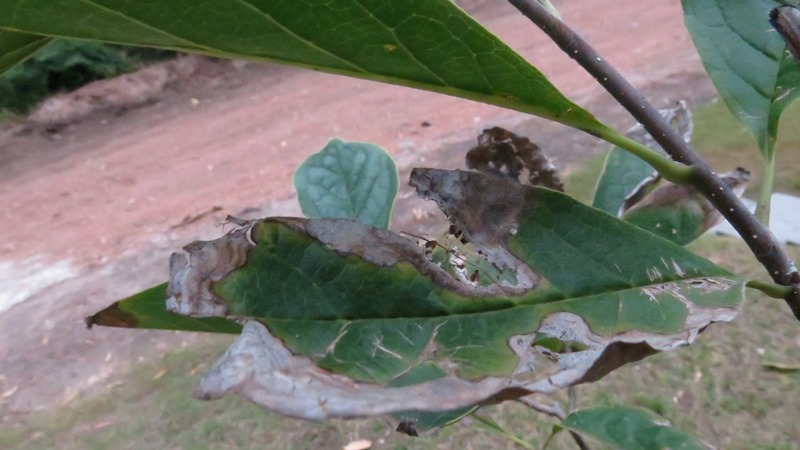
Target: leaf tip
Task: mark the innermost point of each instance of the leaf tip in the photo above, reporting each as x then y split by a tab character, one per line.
112	316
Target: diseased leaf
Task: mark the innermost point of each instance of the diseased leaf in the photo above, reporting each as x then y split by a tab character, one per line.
502	153
747	60
351	180
676	212
147	310
17	47
426	44
623	172
628	428
629	188
786	21
341	307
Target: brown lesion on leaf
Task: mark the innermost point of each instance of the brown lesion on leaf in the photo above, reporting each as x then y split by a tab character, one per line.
709	285
676	290
502	153
655	193
112	316
384	248
260	368
486	209
203	263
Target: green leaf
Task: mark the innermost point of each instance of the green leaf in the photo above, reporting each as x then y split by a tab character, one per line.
350	180
17	47
426	44
747	60
622	173
628	428
679	213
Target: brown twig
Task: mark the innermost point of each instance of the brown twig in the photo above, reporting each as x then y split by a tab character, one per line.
760	239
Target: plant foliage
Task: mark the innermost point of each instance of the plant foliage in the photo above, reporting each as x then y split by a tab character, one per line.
343	318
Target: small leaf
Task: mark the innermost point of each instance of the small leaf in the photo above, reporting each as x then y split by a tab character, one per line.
629	428
624	172
349	180
747	60
505	154
17	47
679	213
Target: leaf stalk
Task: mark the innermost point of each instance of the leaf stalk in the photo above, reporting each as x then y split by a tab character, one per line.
770	289
666	167
765	190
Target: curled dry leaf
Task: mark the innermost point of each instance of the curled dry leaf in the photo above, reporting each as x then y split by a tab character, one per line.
678	212
623	172
679	117
258	367
205	262
508	155
786	20
346	320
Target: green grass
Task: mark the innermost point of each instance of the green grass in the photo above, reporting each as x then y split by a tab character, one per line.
726	144
716	389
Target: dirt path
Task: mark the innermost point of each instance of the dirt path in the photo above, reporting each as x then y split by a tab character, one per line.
91	211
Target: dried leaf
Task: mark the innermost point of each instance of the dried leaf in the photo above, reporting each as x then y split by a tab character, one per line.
505	154
677	212
786	20
258	367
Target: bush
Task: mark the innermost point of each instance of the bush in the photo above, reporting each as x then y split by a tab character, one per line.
67	65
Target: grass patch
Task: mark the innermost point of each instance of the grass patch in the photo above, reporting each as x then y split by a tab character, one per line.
715	389
725	144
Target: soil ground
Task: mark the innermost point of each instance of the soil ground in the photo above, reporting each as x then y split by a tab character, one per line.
93	206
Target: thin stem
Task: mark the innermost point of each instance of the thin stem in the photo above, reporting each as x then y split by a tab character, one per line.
761	241
770	289
765	190
667	168
553	410
494	426
572	398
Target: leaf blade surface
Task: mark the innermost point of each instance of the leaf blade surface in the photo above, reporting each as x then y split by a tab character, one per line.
427	44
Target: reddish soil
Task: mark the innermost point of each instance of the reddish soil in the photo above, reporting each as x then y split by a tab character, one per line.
113	193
